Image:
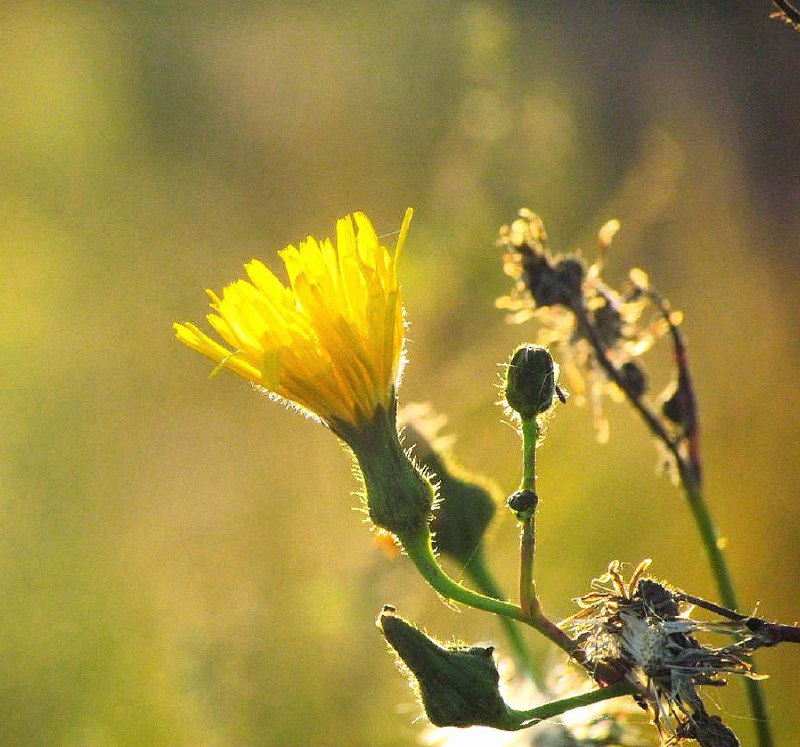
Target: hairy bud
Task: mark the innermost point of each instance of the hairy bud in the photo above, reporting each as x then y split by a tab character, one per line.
458	686
530	381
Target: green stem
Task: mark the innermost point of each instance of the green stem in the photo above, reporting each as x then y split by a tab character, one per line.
419	548
719	568
531	717
530	435
482	577
527	585
690	479
710	539
528	599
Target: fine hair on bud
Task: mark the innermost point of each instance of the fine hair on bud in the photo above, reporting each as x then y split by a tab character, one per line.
530	385
457	685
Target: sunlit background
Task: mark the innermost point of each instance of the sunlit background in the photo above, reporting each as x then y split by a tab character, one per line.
180	564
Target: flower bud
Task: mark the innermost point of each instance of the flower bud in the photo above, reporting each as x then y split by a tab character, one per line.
530	381
570	273
466	504
634	379
458	686
522	502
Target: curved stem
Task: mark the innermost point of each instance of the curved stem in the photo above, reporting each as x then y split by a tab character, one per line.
483	579
419	548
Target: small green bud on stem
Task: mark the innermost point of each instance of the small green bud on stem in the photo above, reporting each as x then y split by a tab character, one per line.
530	381
522	502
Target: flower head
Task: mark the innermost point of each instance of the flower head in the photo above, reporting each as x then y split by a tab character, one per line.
331	342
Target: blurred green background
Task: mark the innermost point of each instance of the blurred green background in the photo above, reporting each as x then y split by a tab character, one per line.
180	564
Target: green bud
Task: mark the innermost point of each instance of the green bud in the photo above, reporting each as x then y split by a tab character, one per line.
458	686
460	520
530	381
466	504
523	502
399	499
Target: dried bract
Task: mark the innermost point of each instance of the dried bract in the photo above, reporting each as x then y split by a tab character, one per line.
644	627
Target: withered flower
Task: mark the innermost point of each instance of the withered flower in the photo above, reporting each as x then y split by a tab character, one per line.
644	627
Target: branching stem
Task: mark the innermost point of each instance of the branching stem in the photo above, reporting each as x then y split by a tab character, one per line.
419	548
483	579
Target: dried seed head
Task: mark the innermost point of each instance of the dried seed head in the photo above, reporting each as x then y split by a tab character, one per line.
579	312
644	627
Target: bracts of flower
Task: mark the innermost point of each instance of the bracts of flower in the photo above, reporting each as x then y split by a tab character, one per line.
460	686
645	627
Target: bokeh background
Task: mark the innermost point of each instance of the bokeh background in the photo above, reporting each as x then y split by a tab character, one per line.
179	561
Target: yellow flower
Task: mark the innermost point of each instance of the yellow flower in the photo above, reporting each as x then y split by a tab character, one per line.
332	341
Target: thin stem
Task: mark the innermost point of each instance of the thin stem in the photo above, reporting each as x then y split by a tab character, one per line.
788	12
710	540
685	387
764	633
528	599
690	476
420	550
650	418
533	716
483	579
527	544
530	434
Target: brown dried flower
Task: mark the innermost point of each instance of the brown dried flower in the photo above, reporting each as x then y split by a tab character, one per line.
580	314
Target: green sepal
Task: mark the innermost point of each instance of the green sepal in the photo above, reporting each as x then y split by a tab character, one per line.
458	686
399	498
